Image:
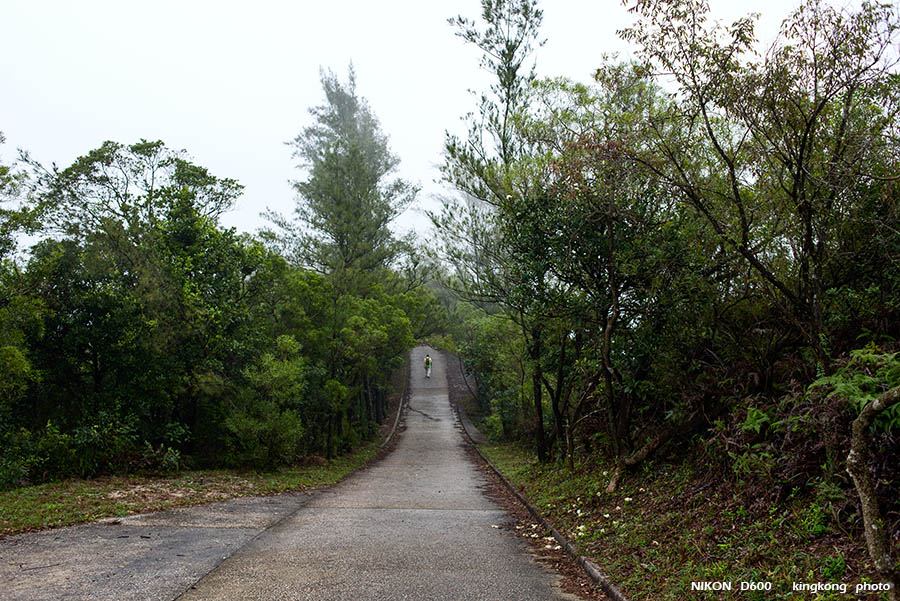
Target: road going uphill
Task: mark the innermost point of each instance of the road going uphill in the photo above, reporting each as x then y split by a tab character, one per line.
413	526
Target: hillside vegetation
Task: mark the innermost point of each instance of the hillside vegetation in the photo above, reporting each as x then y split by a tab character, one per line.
681	277
138	335
686	272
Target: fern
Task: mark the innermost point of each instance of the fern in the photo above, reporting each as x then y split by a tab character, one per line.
868	374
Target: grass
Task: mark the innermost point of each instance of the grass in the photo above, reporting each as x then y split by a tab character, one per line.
667	527
70	502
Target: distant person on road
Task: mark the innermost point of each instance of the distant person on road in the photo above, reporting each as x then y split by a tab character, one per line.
427	366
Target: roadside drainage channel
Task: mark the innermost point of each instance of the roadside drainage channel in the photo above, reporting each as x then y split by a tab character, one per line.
586	564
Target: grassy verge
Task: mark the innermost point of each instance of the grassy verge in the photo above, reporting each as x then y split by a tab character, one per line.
71	502
667	527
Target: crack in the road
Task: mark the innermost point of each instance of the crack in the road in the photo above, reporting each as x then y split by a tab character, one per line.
434	419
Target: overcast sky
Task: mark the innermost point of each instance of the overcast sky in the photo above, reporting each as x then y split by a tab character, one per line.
230	82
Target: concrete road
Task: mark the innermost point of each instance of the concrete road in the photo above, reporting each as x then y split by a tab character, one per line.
413	526
139	558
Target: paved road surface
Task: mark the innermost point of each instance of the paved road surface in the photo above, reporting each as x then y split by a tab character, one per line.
414	526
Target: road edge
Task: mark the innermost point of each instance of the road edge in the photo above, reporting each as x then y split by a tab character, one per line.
586	564
404	400
383	450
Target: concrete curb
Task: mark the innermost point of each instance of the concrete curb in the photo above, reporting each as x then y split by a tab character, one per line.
586	564
404	402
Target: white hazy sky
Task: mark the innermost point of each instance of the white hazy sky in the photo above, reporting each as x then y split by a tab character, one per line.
230	82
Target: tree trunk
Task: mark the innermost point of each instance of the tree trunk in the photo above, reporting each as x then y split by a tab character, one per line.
878	540
379	405
370	405
329	438
556	396
619	416
536	377
690	425
462	372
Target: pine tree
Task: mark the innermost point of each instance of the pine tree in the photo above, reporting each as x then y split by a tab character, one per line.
348	197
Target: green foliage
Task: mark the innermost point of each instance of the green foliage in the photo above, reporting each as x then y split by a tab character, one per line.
678	527
16	217
757	461
102	446
264	436
105	446
829	71
130	187
835	568
347	199
506	35
756	420
867	374
811	522
267	431
15	374
162	458
13	470
493	427
662	261
143	336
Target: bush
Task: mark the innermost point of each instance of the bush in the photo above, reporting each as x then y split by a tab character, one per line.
162	458
12	471
51	455
493	426
26	456
265	437
106	446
